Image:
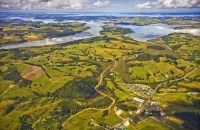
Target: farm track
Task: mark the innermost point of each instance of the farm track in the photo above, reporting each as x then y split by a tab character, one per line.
10	87
111	68
153	75
186	75
159	85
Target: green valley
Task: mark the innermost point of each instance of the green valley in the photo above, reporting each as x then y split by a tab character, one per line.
109	81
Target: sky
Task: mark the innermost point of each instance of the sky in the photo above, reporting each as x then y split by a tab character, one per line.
101	5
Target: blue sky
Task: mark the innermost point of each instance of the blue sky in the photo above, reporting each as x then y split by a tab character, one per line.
102	5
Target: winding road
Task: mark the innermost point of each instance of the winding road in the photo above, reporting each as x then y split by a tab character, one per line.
159	85
96	88
111	68
186	75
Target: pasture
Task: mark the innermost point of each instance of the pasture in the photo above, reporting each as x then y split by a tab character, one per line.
152	124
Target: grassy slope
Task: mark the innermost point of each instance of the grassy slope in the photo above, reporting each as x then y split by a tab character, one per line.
81	60
151	124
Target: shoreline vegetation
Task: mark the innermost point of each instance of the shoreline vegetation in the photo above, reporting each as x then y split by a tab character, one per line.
19	31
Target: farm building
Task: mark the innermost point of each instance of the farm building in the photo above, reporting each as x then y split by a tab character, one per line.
138	100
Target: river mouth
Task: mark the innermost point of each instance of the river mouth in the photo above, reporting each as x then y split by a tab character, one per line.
141	33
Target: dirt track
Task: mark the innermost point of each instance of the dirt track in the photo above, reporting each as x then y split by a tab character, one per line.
96	88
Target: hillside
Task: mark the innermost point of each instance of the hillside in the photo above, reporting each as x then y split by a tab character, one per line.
166	72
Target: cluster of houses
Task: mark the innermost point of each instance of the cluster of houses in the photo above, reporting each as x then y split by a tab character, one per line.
140	89
152	108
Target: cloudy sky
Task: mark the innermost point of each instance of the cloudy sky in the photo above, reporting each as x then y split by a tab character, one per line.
102	5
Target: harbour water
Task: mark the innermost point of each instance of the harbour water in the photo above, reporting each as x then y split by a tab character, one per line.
141	33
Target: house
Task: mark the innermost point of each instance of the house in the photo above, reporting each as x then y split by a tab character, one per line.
140	101
146	112
162	113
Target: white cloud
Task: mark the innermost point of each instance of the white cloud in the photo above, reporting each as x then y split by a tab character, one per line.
5	6
67	4
146	5
170	4
28	7
36	1
102	4
9	4
52	4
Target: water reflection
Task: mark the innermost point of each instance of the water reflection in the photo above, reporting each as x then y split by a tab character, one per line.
35	20
144	33
94	31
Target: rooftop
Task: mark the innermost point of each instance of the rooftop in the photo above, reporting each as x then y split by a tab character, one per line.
138	99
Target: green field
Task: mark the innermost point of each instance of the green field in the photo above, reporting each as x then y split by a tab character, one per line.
85	117
71	73
178	102
11	34
152	124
